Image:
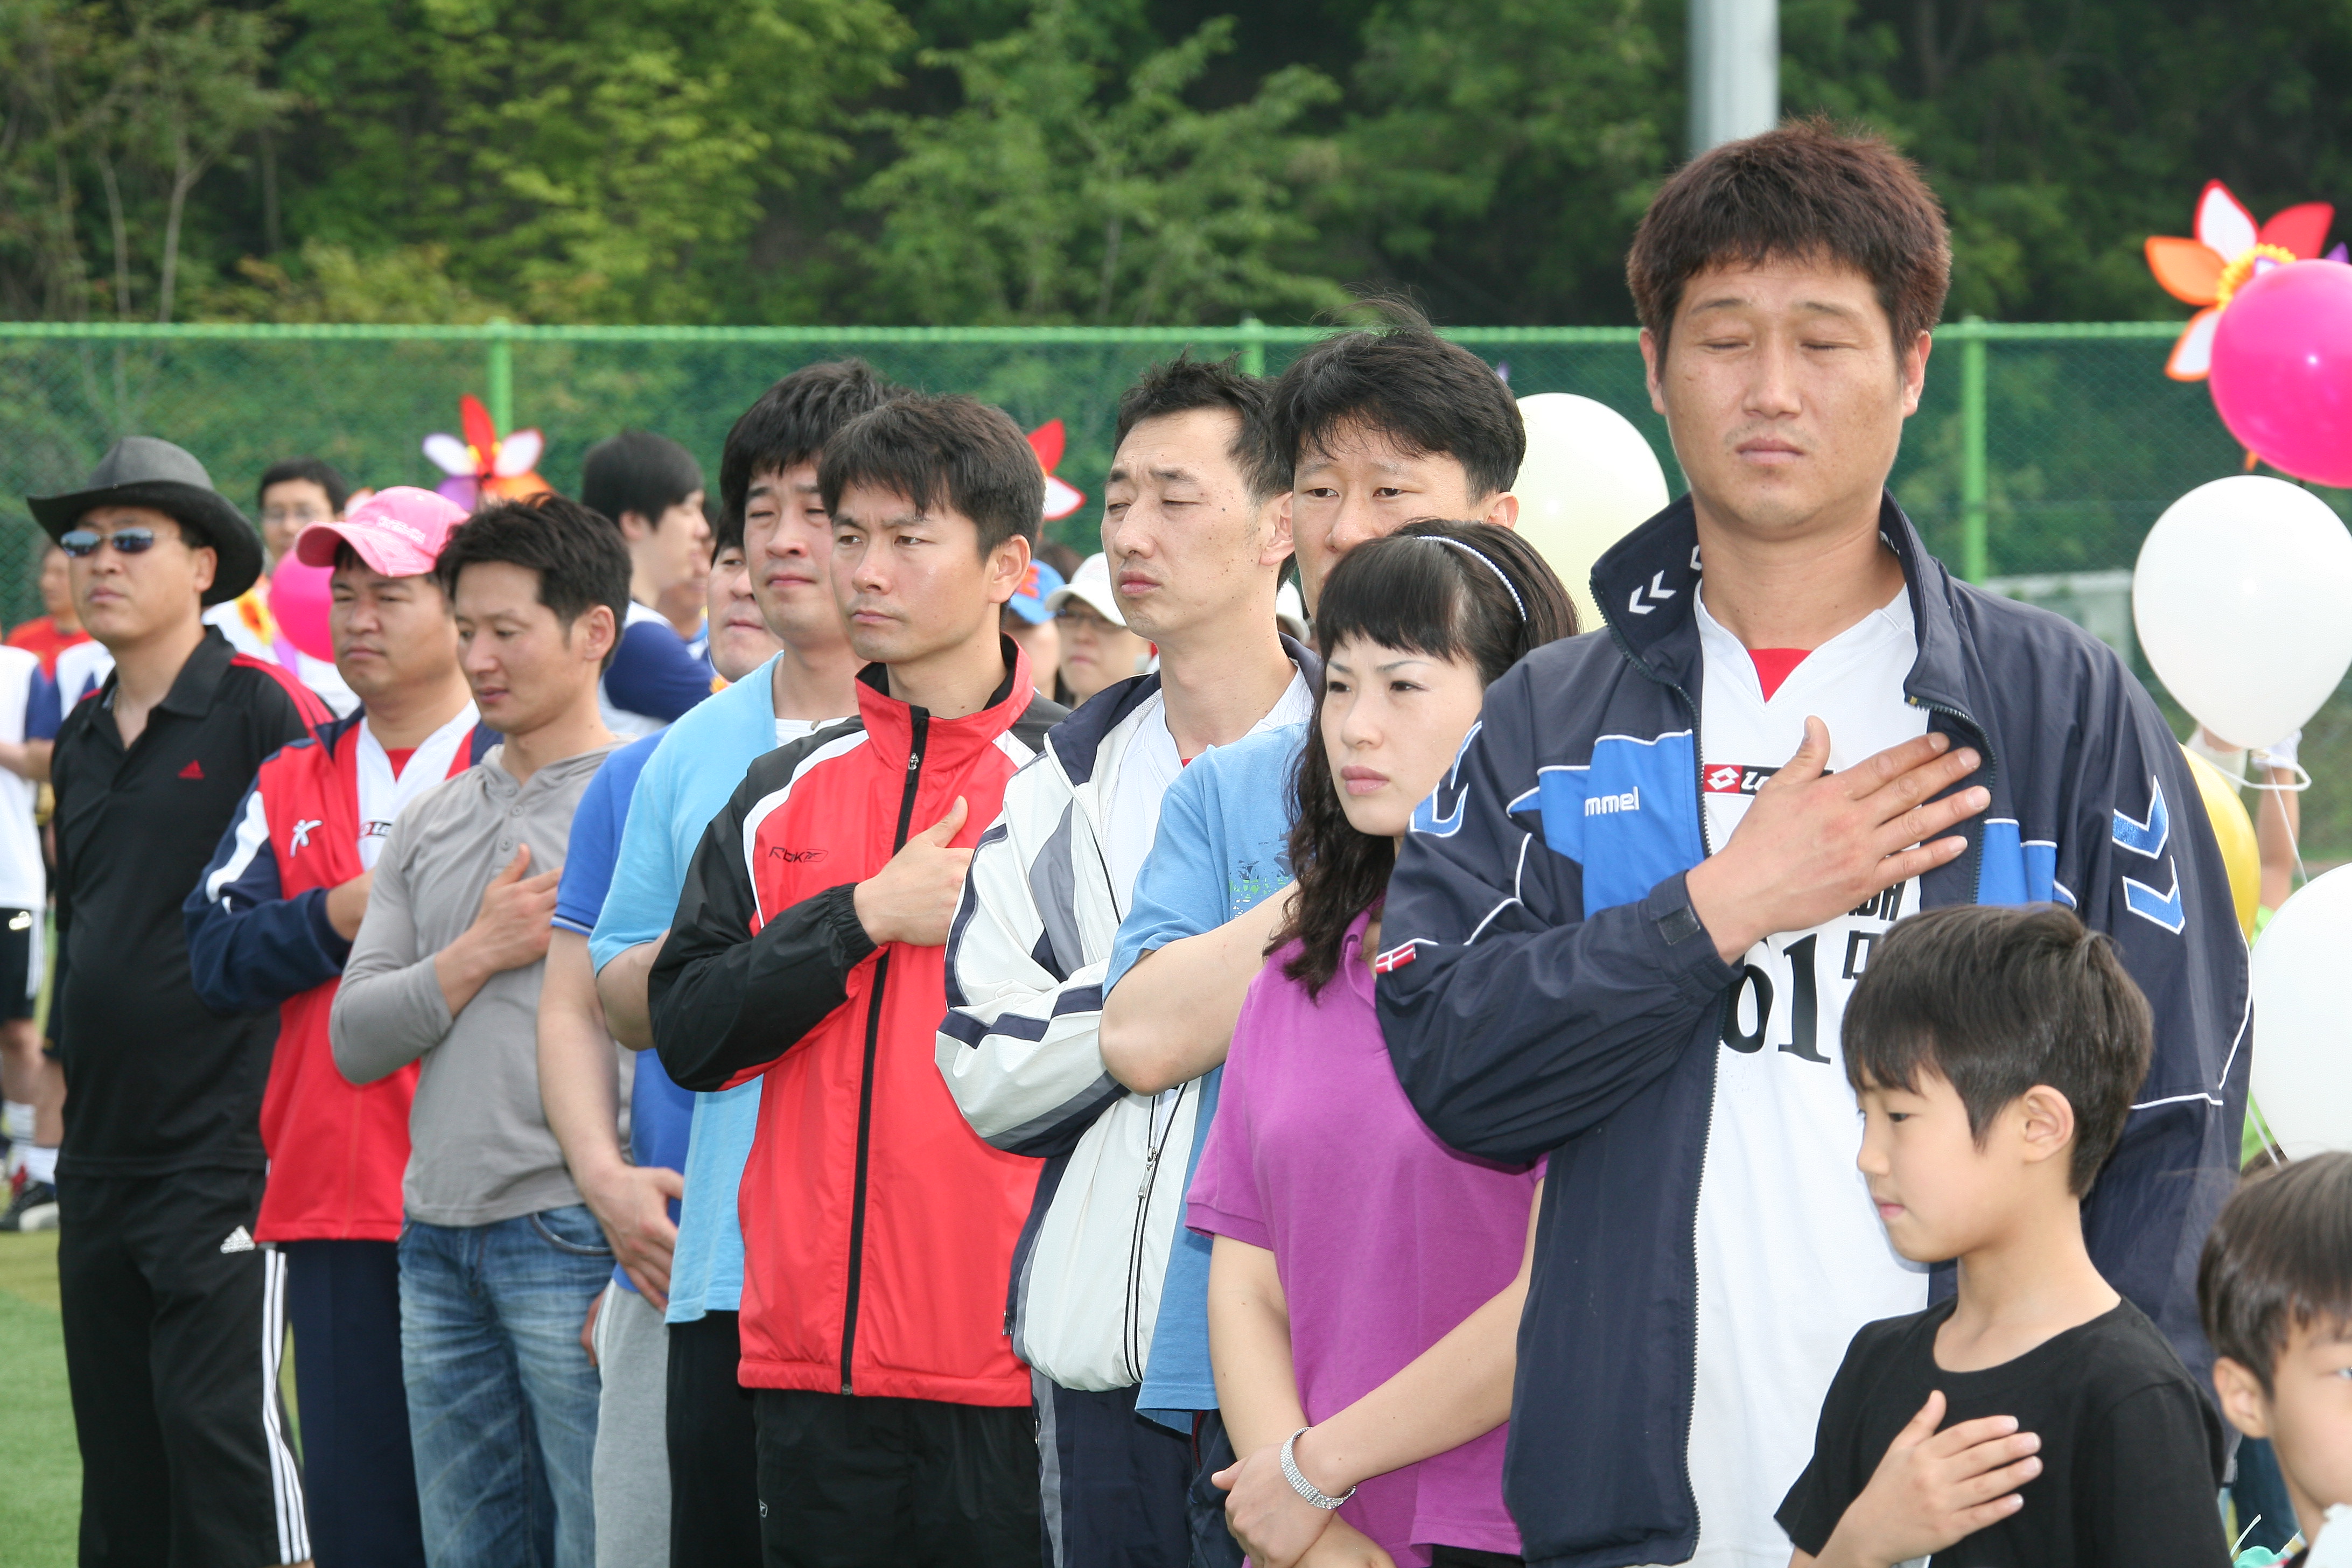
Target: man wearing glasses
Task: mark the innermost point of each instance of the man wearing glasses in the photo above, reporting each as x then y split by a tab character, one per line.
174	1316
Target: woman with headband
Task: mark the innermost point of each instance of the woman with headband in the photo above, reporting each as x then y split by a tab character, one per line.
1365	1287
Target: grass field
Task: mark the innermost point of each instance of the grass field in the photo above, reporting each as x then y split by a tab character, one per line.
42	1502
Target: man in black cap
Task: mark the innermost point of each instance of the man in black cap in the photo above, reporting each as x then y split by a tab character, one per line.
173	1319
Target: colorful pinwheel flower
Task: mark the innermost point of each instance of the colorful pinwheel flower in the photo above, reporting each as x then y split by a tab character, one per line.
482	466
2228	251
1062	499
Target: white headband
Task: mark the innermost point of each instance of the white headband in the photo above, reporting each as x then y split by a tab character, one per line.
1483	560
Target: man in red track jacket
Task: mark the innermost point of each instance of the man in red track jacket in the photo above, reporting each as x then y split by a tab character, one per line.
894	1418
271	924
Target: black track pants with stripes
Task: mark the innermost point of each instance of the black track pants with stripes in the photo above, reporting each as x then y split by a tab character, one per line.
175	1326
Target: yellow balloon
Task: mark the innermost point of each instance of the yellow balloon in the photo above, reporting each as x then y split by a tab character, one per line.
2234	831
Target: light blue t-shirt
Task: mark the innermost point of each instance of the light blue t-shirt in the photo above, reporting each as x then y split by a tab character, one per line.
1222	847
701	758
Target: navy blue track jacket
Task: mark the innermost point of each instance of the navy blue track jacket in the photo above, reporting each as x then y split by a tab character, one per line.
1560	996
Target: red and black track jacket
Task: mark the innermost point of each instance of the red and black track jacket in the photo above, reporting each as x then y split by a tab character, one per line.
258	936
878	1229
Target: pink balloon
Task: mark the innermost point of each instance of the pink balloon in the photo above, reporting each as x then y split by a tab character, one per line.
300	598
2283	369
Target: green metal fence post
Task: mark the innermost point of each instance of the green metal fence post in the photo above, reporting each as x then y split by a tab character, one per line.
500	369
1253	345
1975	554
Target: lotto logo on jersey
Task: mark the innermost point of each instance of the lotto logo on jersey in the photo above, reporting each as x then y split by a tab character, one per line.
1733	778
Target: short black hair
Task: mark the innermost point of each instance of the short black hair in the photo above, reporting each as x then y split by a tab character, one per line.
318	471
1184	384
789	425
637	471
576	553
933	450
1995	999
1402	382
1806	189
2279	1258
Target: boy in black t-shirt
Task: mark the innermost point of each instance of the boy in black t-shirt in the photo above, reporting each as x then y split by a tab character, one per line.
2037	1418
2274	1288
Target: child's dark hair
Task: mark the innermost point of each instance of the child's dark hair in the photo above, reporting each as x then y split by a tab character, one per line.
787	426
1803	191
576	553
2278	1258
933	450
1184	384
1448	590
318	471
637	471
1406	384
1995	1000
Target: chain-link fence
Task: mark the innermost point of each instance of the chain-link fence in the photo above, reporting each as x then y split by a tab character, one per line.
2040	451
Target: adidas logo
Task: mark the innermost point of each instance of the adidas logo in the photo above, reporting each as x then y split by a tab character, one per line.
239	1240
195	770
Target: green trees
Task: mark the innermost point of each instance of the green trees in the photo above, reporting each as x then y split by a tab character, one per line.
1069	160
576	161
135	104
1067	189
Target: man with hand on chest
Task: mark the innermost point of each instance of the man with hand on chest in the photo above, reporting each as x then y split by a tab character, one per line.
1623	930
499	1257
271	925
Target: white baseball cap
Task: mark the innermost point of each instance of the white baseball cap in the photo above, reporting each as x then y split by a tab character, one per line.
1091	583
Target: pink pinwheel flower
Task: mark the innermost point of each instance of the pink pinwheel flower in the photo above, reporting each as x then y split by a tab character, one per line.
482	465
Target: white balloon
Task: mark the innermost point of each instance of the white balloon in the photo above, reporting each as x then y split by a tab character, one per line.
1588	481
2241	599
2302	1033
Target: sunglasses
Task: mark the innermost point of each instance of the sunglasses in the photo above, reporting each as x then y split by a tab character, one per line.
82	541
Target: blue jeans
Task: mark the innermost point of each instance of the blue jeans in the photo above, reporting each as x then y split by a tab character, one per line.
501	1399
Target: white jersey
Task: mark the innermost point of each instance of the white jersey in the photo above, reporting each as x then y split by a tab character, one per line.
80	670
1150	764
23	882
1792	1256
384	794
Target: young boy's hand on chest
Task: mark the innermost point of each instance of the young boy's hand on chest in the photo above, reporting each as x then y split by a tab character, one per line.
1933	1490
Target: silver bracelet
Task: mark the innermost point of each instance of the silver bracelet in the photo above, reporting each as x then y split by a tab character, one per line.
1301	1485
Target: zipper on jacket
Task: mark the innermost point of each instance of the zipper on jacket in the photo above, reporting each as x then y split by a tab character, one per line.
1984	744
918	732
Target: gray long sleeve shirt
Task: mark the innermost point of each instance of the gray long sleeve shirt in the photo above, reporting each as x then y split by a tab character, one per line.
479	1147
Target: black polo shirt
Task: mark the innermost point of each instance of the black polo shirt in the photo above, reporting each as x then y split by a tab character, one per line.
156	1081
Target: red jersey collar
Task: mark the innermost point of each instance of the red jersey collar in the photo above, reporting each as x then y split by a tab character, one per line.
889	724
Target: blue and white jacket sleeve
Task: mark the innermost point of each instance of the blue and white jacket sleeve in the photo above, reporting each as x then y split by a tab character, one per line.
1518	1014
1021	1044
2145	870
249	946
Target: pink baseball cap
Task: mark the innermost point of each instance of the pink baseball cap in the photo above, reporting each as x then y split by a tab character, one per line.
399	531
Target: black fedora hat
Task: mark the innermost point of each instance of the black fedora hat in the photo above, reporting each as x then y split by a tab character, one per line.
140	471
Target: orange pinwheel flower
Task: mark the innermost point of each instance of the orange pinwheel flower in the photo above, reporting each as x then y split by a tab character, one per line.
2229	249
